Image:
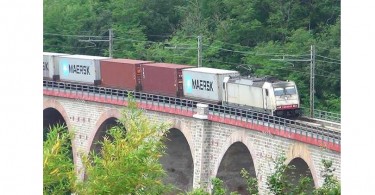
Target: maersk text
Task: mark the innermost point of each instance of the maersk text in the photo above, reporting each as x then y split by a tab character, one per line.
202	85
79	69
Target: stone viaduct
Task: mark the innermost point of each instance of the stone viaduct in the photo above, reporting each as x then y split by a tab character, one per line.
198	149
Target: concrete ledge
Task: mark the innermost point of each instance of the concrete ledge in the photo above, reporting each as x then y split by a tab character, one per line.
202	111
198	116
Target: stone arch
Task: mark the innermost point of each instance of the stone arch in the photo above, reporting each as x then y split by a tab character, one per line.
238	136
299	150
181	175
53	103
112	113
235	138
178	161
186	131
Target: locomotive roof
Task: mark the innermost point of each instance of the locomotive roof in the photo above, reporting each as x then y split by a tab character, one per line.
254	81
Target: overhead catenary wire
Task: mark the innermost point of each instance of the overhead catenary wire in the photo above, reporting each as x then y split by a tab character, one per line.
242	65
329	58
328	62
220	48
236	51
174	55
78	36
270	67
178	46
183	46
258	53
74	47
328	73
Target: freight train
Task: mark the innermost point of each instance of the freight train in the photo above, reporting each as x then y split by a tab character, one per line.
207	85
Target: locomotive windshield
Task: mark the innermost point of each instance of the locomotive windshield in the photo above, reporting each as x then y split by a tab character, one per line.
285	91
290	90
279	91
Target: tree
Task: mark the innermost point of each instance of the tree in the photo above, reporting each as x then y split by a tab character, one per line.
129	159
252	183
279	183
198	191
58	167
331	185
236	34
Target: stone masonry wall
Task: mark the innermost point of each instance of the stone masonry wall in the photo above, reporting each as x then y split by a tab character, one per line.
208	142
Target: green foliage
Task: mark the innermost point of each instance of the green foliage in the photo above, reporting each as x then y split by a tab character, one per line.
180	50
303	186
252	182
248	36
218	187
58	168
277	182
129	160
331	185
197	191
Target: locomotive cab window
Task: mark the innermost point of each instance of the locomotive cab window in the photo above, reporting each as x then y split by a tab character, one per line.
279	91
290	90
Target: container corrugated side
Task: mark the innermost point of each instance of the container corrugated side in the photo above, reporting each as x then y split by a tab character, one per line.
80	68
205	84
50	65
121	73
163	79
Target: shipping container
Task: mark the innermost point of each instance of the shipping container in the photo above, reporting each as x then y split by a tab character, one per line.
205	83
163	79
51	66
122	73
80	68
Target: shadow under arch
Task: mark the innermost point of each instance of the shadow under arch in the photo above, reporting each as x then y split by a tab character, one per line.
50	107
304	160
178	161
105	121
51	117
236	153
300	169
101	133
